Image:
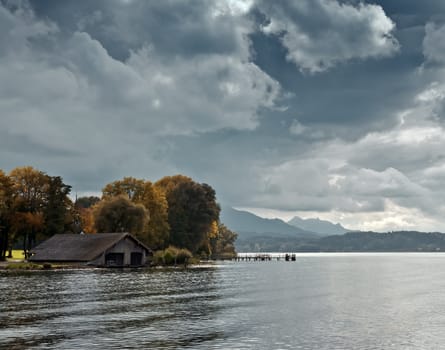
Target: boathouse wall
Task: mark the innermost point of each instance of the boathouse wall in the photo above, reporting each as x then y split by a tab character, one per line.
124	253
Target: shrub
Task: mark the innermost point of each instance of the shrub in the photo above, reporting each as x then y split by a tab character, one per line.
172	256
158	257
183	256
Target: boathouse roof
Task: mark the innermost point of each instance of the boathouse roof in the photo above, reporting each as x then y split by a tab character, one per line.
79	247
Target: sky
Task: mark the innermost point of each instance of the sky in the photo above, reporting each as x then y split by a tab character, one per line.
322	108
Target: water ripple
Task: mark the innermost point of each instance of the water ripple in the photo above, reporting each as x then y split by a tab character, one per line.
329	302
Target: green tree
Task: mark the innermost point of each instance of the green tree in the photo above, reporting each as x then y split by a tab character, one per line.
119	214
86	202
223	244
192	209
57	211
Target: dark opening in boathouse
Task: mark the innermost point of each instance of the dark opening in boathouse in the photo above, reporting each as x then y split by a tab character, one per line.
100	249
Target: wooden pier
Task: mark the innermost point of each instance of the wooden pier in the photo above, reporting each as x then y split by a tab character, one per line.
265	257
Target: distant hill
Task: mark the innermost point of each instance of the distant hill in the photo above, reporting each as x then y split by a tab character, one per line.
322	227
401	241
249	225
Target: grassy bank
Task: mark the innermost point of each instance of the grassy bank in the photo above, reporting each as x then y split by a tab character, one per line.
26	266
17	254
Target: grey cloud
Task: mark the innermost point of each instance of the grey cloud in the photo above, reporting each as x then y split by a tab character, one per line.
433	43
389	183
18	27
433	177
405	149
230	88
173	27
101	90
74	96
347	101
320	34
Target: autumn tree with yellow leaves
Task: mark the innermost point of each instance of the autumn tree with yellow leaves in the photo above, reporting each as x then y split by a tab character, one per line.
33	205
156	230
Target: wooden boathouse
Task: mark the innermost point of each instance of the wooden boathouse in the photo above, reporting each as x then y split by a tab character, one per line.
100	249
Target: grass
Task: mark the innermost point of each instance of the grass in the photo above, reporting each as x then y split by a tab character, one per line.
23	266
17	254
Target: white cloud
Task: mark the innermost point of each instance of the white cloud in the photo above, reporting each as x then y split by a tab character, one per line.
318	34
387	180
435	92
393	218
232	7
389	183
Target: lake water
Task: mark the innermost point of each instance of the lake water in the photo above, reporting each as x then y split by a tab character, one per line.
321	301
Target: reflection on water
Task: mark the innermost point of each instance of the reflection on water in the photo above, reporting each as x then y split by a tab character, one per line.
364	301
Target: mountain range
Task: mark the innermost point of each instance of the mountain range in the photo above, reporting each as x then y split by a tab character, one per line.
322	227
248	224
258	234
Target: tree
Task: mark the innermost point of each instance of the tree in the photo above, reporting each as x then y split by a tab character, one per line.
5	213
86	220
192	209
86	202
119	214
157	230
208	246
223	244
132	188
57	212
84	212
29	194
169	183
29	188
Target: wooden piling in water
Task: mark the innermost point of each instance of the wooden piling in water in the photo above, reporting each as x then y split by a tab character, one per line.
265	257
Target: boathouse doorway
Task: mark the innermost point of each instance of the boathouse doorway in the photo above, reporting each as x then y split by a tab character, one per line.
114	259
136	259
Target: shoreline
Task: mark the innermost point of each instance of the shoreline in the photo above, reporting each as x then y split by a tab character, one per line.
20	265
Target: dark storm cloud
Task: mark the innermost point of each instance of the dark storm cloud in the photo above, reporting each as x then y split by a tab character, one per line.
107	109
172	27
323	106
